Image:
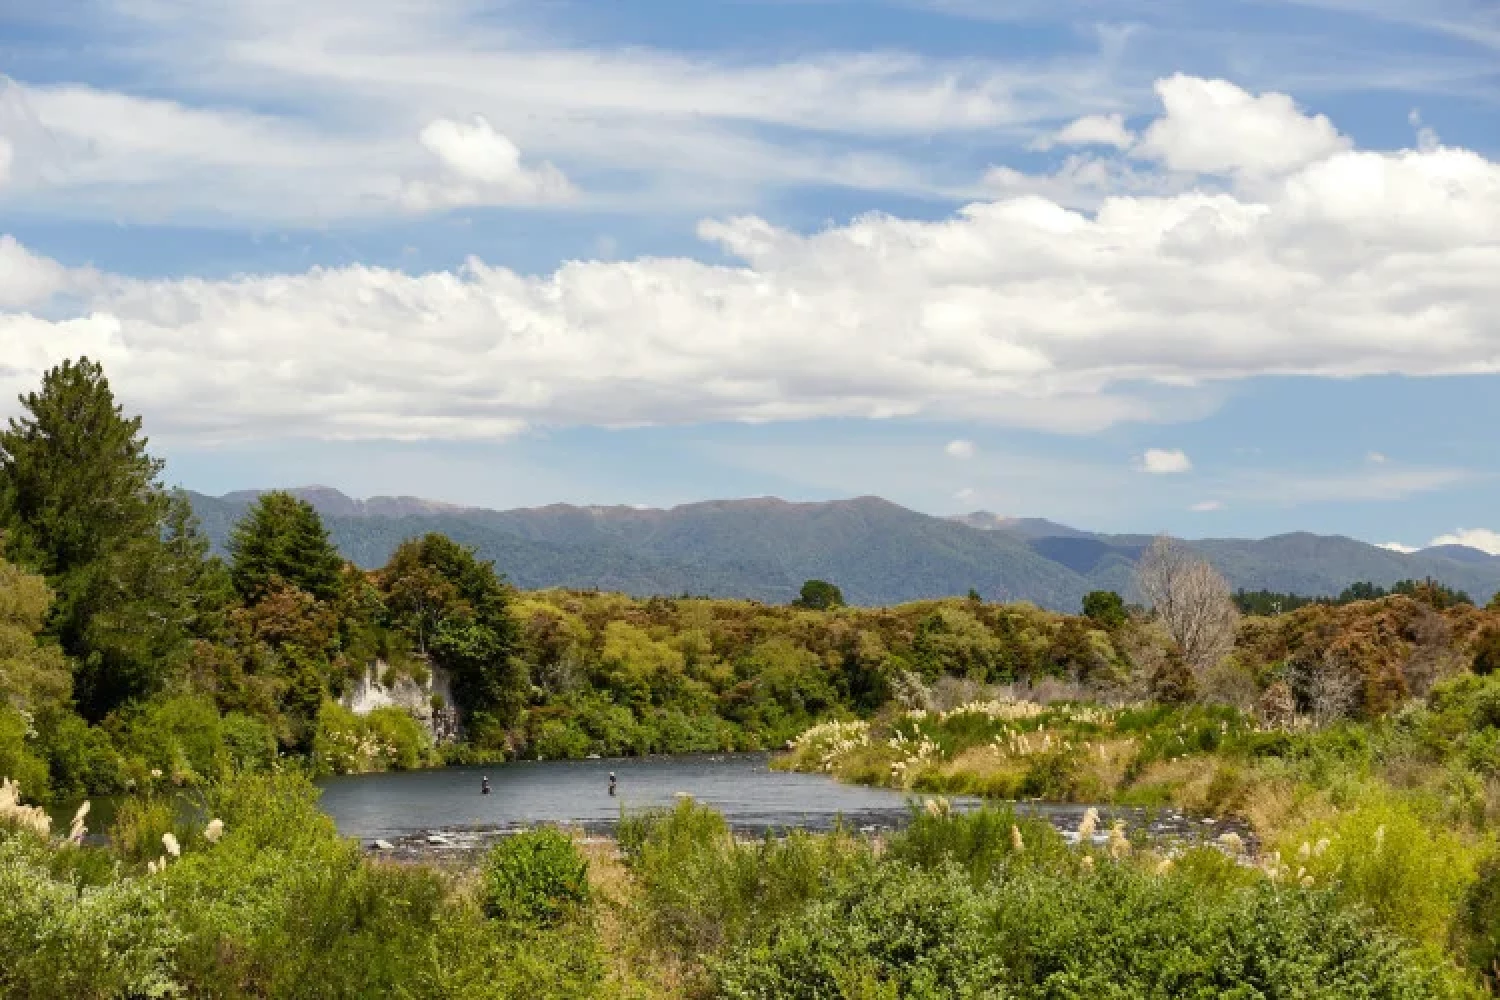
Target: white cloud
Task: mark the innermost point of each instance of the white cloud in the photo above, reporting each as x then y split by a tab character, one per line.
1161	461
1015	311
1405	550
960	449
25	278
481	167
1375	458
966	494
1482	539
340	88
1091	130
1214	127
1207	506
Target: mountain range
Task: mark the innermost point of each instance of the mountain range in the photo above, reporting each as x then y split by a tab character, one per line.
876	551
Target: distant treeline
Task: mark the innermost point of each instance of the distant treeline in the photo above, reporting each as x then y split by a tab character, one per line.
1429	591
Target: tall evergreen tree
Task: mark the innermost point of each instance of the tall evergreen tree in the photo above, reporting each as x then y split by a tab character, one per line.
81	502
282	537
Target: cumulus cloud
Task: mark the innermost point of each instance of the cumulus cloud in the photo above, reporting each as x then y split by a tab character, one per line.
1405	550
1163	462
1375	458
960	449
1215	127
479	166
25	278
1018	311
1091	130
1482	539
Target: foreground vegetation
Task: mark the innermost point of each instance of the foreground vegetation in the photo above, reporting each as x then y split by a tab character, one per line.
258	897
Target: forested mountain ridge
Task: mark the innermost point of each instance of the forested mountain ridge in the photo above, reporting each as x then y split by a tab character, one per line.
877	551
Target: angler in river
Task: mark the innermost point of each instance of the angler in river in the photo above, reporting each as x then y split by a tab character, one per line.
611	782
484	785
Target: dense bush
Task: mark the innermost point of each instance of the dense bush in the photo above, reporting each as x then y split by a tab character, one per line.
1479	922
60	938
920	924
535	877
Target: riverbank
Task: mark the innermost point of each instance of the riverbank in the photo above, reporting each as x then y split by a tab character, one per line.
1398	816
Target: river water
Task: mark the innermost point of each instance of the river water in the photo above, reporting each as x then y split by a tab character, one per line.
443	809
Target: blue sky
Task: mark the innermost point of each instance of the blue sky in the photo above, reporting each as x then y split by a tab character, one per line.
1155	265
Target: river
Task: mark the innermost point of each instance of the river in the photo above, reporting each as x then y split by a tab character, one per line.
444	808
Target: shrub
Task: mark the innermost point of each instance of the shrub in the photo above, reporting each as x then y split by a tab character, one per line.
1381	855
17	761
59	938
705	891
249	744
536	877
1479	921
139	825
1121	932
404	743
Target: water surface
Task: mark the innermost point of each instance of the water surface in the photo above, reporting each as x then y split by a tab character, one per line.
446	804
751	796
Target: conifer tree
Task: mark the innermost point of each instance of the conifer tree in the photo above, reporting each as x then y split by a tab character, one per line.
81	502
282	537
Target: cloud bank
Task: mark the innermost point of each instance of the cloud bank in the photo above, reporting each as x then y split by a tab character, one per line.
1285	253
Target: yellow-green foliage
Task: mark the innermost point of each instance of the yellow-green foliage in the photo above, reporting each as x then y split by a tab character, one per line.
30	674
384	739
1383	854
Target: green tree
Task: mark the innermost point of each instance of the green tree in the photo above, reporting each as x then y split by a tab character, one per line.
282	537
1105	608
819	595
456	608
81	502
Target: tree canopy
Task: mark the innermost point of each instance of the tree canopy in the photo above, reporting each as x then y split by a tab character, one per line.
282	537
819	595
81	503
1105	608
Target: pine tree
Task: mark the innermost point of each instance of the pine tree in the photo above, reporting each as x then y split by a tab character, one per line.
282	537
81	502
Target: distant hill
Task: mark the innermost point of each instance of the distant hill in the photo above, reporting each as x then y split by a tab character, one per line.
876	551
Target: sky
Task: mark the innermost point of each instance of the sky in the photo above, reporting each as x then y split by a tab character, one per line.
1147	265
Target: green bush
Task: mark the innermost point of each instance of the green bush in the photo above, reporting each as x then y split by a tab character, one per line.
139	824
1479	921
61	938
980	841
1381	855
704	890
535	878
17	759
1119	933
249	744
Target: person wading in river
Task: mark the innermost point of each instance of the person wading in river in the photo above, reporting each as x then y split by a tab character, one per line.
611	782
484	785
